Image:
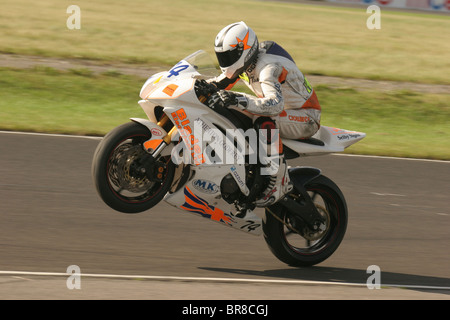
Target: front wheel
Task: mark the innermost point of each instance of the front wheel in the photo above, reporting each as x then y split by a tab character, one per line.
127	178
293	242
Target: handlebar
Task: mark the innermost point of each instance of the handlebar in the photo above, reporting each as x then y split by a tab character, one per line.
204	90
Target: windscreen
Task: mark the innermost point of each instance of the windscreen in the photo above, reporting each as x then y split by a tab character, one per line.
203	63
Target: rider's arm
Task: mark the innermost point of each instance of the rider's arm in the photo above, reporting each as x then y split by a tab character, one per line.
272	103
223	83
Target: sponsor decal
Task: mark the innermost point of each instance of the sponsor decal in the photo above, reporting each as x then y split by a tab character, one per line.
307	85
184	127
278	98
237	176
348	136
156	132
244	77
299	118
170	89
205	186
337	131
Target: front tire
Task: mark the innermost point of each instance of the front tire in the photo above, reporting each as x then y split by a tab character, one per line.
120	172
295	244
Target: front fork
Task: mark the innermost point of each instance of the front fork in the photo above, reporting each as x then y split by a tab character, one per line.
160	138
306	210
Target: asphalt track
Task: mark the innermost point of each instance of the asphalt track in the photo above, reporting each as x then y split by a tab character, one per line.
51	218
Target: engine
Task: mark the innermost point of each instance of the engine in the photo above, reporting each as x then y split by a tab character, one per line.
229	189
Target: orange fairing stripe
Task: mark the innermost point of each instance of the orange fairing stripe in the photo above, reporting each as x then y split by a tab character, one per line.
312	102
198	205
152	144
170	89
172	96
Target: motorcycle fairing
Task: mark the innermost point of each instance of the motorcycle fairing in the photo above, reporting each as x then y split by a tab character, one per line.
334	140
174	90
201	196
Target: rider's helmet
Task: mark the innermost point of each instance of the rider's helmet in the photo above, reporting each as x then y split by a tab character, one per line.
236	46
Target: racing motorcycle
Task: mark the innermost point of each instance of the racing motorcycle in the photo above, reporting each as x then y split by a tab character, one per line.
177	155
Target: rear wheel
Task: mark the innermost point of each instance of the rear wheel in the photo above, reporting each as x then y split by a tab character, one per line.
292	241
127	178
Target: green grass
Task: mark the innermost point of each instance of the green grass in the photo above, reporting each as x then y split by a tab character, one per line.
75	102
323	40
401	123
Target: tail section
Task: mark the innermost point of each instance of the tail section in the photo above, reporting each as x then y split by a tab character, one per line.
326	140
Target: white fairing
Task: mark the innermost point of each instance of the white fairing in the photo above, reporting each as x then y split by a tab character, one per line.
201	195
334	139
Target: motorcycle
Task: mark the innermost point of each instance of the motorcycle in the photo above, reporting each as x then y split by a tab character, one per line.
177	155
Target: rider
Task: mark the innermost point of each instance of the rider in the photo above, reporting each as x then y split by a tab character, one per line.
282	92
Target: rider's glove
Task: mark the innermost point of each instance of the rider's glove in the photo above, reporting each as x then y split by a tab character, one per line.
227	99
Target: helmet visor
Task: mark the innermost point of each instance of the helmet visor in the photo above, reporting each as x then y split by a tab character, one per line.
227	58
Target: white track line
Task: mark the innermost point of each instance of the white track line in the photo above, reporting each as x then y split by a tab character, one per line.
334	154
51	135
390	158
212	279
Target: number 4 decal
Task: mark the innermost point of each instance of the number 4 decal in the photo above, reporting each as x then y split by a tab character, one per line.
175	71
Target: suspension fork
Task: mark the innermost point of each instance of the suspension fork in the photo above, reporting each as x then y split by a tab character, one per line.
155	146
149	163
306	210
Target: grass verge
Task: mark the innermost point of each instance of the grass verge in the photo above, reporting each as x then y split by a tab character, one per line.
401	123
323	40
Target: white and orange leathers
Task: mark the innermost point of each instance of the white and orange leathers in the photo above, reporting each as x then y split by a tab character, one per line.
282	92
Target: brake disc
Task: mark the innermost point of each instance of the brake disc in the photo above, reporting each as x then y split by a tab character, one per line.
124	173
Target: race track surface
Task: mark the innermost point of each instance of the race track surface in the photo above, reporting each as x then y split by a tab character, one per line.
51	217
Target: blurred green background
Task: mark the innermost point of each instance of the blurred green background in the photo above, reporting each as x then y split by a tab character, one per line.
324	40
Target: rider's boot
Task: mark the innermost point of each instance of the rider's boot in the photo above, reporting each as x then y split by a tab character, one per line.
247	214
279	184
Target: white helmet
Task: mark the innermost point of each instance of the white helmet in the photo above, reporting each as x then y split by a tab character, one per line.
236	45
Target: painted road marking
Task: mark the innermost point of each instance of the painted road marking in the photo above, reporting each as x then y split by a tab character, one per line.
388	194
51	135
213	279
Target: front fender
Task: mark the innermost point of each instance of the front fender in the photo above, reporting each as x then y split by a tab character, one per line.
156	131
300	176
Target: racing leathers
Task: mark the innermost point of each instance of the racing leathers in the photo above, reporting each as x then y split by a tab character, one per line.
283	94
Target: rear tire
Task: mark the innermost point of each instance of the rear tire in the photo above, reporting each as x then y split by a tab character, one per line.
308	248
117	170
